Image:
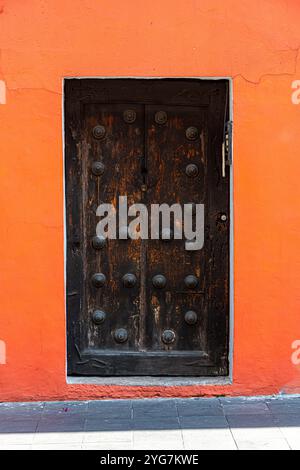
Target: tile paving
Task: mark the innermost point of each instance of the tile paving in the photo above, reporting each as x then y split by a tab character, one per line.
150	424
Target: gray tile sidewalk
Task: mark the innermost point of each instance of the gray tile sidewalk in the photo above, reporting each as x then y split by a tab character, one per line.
164	424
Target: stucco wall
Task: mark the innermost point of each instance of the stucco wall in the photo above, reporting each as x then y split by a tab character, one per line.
256	42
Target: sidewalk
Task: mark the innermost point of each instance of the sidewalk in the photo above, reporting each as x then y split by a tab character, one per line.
195	423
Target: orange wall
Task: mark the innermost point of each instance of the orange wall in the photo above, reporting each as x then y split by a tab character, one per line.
256	42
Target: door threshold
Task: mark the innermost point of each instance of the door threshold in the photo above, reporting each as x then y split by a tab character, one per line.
147	381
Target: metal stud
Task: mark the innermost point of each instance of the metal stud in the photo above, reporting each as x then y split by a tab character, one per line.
98	242
129	280
161	117
121	335
98	279
192	170
223	217
168	336
191	317
191	281
166	234
129	116
98	317
159	281
99	132
98	168
192	133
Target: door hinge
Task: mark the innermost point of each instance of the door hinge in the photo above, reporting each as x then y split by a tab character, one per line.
227	147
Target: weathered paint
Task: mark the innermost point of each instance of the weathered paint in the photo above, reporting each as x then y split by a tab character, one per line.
254	42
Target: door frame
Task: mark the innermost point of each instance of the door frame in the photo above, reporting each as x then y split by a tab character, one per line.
144	380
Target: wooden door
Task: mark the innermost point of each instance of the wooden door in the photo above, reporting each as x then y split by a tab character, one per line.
146	306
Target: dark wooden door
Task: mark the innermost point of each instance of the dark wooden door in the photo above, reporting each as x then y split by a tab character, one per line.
146	307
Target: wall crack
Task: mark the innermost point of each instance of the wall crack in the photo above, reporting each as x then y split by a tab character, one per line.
279	74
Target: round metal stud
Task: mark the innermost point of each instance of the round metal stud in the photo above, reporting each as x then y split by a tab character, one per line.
98	242
192	133
166	234
121	335
161	117
159	281
99	132
192	170
129	116
98	317
98	168
168	336
191	281
98	279
191	317
129	280
223	217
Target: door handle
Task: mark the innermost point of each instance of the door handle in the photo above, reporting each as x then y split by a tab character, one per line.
223	160
227	147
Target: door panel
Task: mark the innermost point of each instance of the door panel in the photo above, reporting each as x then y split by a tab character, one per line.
169	154
119	151
154	141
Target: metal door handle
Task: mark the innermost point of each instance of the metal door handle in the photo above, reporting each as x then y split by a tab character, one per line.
226	147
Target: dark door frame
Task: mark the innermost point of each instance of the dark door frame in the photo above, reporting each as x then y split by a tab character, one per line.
73	113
